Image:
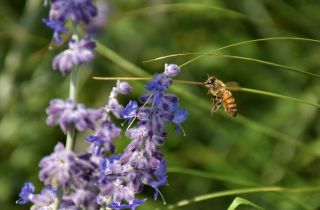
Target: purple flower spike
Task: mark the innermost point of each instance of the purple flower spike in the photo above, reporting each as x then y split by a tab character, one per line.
142	163
26	193
79	52
171	70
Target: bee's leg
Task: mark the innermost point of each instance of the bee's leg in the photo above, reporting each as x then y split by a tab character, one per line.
216	105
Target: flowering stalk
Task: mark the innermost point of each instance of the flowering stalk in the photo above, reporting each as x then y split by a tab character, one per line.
71	133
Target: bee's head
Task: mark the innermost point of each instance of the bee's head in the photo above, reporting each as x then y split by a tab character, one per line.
210	82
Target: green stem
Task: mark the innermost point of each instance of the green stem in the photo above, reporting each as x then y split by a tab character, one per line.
58	199
250	41
71	132
261	92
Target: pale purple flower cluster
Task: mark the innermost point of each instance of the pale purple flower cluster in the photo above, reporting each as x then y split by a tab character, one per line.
79	52
78	11
68	113
81	13
98	178
142	163
102	139
75	174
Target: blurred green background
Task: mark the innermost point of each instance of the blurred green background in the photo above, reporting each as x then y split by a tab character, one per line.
272	142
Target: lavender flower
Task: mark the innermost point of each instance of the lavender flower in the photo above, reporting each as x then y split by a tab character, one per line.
142	163
79	52
92	180
62	10
74	173
68	113
102	139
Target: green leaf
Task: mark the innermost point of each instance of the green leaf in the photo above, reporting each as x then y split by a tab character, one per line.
240	201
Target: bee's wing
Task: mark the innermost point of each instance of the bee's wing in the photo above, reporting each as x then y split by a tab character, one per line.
232	85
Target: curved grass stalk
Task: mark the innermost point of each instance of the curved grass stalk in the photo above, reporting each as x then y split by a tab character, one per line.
251	41
185	6
252	60
233	45
241	192
269	63
210	175
249	90
275	95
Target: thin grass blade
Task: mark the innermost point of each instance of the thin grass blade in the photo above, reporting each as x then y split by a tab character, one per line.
234	45
273	189
275	95
175	7
241	201
224	194
210	175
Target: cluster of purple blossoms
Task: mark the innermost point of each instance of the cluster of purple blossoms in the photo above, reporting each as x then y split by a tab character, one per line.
98	178
80	13
76	174
102	139
69	114
142	162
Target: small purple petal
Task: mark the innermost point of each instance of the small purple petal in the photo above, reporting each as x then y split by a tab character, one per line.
180	116
132	206
26	192
130	111
58	28
171	70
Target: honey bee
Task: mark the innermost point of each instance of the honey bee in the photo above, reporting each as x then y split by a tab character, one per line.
220	96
